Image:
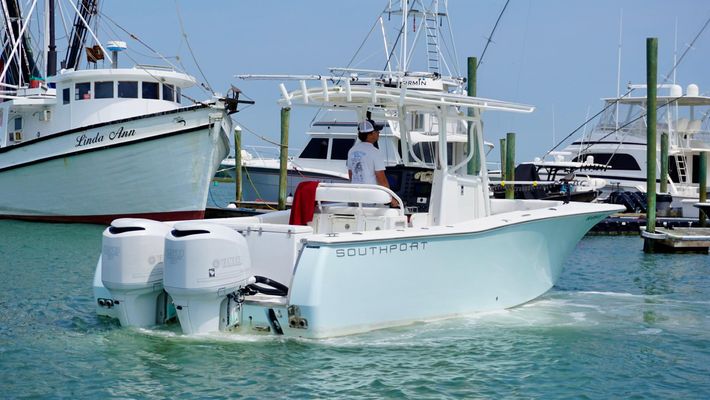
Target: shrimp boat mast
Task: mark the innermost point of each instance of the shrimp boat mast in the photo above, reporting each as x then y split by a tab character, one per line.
102	143
339	262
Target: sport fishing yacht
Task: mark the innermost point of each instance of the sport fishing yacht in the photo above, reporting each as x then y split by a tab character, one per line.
619	142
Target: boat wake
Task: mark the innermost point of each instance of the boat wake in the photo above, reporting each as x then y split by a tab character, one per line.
558	311
635	314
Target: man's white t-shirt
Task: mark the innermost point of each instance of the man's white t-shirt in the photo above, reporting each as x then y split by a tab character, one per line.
363	160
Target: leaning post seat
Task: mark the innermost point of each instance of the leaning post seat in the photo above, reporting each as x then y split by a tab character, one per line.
343	207
362	194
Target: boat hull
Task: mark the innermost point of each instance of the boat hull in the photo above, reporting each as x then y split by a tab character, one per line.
348	288
161	171
262	183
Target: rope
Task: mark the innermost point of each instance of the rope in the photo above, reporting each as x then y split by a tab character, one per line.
455	57
159	55
490	37
258	195
374	25
697	36
586	122
213	200
246	171
245	128
686	50
140	41
627	124
182	29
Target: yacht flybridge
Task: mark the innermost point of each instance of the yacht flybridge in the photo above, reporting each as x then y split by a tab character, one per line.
340	262
619	142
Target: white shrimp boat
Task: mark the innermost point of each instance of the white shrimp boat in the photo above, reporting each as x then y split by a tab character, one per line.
355	266
98	144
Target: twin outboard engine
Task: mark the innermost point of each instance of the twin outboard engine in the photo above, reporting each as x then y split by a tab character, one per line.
132	270
205	264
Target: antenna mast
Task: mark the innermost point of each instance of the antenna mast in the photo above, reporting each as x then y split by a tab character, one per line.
52	48
618	70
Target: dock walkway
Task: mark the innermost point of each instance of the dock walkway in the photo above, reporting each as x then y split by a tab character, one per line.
679	239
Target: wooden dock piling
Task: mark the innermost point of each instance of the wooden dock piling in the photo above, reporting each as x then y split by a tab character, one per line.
703	186
651	79
663	240
474	165
510	165
283	157
237	164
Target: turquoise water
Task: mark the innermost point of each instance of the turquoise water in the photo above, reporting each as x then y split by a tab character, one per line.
619	324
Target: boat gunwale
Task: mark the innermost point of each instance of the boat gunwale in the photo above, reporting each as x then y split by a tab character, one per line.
492	223
112	145
193	107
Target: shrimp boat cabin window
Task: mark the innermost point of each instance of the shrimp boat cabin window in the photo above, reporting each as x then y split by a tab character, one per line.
16	133
66	96
340	148
103	90
82	91
316	148
150	90
128	89
168	92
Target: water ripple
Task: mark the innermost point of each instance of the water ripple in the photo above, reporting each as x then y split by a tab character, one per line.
619	324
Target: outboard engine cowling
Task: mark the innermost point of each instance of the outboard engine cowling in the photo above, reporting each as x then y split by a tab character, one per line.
204	264
132	270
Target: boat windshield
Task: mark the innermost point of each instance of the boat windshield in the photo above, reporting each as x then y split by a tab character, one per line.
630	118
670	118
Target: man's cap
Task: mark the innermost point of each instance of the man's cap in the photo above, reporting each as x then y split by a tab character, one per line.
368	126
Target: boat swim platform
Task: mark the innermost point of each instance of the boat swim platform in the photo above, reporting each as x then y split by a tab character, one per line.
677	240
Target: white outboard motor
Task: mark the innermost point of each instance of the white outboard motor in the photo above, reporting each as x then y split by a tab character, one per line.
132	270
204	264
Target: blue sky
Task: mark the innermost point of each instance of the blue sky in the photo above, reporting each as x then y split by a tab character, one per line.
558	55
